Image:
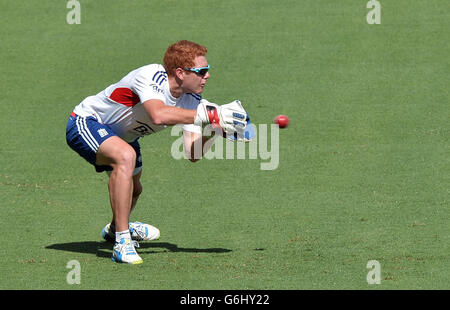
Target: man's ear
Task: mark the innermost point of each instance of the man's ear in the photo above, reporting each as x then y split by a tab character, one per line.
179	73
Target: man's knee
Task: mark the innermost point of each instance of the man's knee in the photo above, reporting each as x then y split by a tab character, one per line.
128	156
124	159
118	154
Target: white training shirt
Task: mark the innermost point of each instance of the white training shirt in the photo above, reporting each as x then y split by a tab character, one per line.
120	105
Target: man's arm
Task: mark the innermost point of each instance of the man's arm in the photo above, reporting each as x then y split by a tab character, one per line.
228	116
161	114
194	144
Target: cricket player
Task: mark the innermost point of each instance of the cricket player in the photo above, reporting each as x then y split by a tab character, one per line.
104	129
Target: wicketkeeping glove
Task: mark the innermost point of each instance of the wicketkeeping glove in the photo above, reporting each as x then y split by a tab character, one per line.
246	134
228	116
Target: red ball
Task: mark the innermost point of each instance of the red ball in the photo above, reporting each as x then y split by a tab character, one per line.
282	121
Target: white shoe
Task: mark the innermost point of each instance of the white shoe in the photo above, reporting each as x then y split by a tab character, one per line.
108	234
143	232
139	231
124	252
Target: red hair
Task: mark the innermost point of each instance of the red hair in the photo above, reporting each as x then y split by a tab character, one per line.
182	55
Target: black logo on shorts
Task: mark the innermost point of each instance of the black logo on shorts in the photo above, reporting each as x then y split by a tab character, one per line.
144	129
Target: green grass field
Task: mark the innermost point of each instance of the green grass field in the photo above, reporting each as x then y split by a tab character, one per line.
364	167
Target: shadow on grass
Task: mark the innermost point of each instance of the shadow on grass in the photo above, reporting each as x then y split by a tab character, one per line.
104	248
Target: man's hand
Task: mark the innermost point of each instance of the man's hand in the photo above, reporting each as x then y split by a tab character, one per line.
229	116
246	134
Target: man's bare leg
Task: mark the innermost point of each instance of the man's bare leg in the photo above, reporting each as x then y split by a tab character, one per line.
137	190
118	154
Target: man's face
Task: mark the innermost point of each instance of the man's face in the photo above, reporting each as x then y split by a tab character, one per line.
194	82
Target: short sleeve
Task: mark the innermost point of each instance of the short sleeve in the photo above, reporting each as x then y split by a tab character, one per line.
148	81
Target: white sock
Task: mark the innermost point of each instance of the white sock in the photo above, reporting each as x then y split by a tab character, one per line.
123	234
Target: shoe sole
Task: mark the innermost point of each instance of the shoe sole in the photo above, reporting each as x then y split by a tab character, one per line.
122	262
